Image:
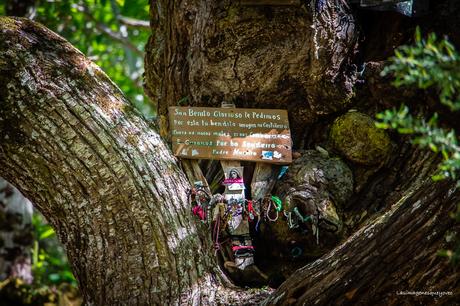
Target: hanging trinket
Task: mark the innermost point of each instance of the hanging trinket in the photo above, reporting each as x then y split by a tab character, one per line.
200	202
267	212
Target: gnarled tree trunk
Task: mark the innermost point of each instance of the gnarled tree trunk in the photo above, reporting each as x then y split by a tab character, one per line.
295	57
98	172
117	197
393	254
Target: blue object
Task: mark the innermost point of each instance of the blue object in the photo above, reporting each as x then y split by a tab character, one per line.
296	252
282	171
412	8
319	5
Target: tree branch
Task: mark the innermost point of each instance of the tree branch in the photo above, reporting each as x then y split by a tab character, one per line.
103	28
131	22
100	174
395	252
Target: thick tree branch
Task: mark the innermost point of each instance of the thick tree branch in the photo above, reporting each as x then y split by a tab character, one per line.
99	172
393	253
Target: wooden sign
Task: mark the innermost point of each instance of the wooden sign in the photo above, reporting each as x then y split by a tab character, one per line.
260	135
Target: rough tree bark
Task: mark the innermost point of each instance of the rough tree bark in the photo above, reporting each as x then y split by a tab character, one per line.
393	253
16	236
293	57
98	172
303	58
117	197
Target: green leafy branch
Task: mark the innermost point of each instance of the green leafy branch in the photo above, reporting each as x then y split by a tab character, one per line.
426	134
112	33
49	263
428	63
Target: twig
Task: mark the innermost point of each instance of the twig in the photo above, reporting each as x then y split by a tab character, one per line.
131	22
106	30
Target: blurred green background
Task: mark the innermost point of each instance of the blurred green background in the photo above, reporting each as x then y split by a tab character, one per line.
112	33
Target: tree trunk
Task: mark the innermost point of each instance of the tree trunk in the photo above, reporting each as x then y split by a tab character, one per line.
99	173
117	197
16	231
392	254
16	234
293	57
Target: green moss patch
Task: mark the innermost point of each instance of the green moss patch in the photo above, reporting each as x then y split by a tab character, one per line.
356	137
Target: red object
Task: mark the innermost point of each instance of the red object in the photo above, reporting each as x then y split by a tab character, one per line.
250	208
199	212
242	247
251	211
229	181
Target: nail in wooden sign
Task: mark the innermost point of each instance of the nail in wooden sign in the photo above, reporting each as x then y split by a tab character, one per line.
260	135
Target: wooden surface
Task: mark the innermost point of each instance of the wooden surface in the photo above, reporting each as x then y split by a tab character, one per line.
260	135
263	180
194	174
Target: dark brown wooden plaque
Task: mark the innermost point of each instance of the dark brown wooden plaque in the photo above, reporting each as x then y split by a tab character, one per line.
260	135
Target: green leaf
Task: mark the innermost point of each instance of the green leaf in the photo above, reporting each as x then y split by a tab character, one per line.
405	130
445	154
445	253
46	234
68	276
382	125
418	35
433	147
54	277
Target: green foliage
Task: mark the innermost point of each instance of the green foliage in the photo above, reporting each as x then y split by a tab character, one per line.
99	29
426	134
13	291
429	63
49	262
